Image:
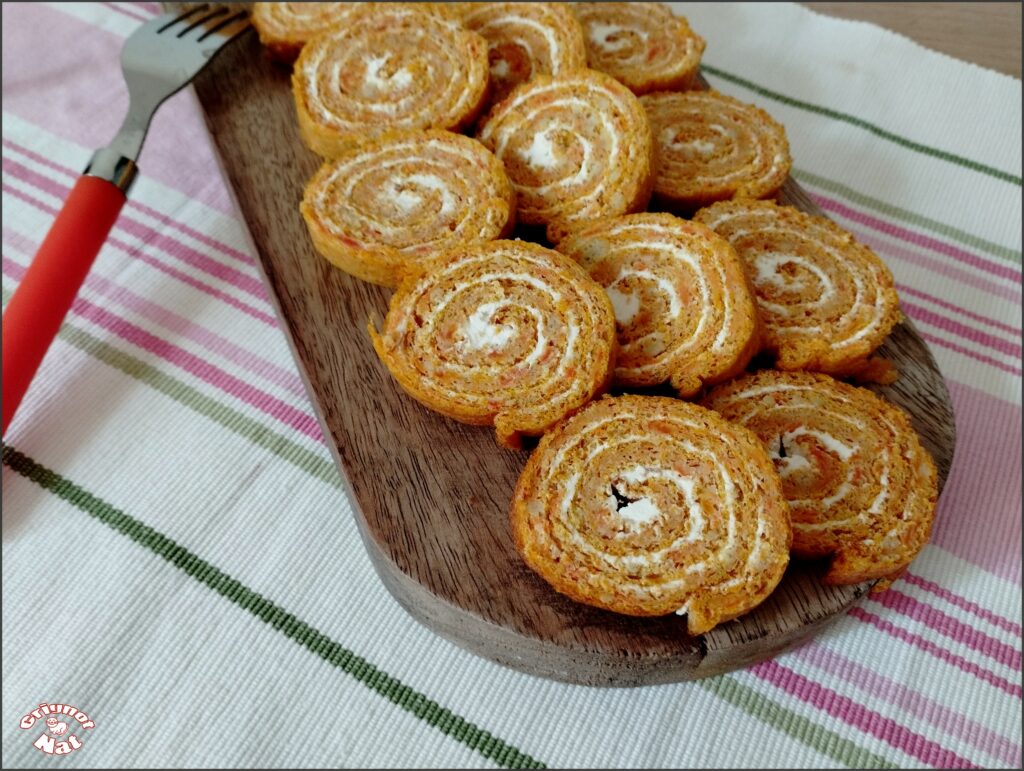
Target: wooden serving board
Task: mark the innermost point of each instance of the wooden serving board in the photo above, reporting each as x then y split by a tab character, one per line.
431	495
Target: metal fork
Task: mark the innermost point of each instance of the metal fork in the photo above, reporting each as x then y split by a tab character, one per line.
158	60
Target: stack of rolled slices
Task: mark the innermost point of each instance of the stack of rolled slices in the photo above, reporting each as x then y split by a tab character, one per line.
443	126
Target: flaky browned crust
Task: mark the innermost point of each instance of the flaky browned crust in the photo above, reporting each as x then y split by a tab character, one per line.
597	511
862	489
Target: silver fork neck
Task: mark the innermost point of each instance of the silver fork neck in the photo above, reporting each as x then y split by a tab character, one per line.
107	163
116	162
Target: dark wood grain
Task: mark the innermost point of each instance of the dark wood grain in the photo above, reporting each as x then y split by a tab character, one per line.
431	495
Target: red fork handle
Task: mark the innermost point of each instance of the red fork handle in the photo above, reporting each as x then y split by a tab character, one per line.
44	296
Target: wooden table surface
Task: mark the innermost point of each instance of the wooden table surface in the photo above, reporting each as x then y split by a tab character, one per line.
988	34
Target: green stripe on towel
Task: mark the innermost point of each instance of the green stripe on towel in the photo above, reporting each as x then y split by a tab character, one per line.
317	642
912	218
797	726
726	688
934	152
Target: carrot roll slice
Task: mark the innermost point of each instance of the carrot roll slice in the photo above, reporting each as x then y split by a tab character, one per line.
646	505
643	45
683	308
827	302
712	147
285	27
576	147
860	485
505	333
525	40
385	205
388	67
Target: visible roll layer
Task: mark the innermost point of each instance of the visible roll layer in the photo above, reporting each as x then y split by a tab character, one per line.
505	333
683	308
859	484
285	27
388	67
383	206
711	147
827	302
643	45
525	40
647	506
576	147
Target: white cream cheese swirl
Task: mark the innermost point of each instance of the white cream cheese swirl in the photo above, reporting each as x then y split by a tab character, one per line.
682	304
298	20
388	68
404	197
525	40
825	299
859	484
647	505
504	332
575	147
284	28
643	45
712	147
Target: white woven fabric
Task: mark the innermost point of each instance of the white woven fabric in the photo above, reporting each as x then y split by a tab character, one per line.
188	476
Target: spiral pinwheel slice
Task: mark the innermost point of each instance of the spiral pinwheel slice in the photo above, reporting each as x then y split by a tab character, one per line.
504	332
643	45
576	147
711	147
683	307
285	27
385	205
860	486
646	505
388	67
827	302
525	40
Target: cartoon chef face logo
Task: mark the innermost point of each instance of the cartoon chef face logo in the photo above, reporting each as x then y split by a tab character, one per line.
57	738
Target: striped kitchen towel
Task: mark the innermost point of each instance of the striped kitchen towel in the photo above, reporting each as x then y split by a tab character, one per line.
180	560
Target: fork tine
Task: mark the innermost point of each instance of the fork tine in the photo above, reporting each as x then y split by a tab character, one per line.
171	19
202	21
229	27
